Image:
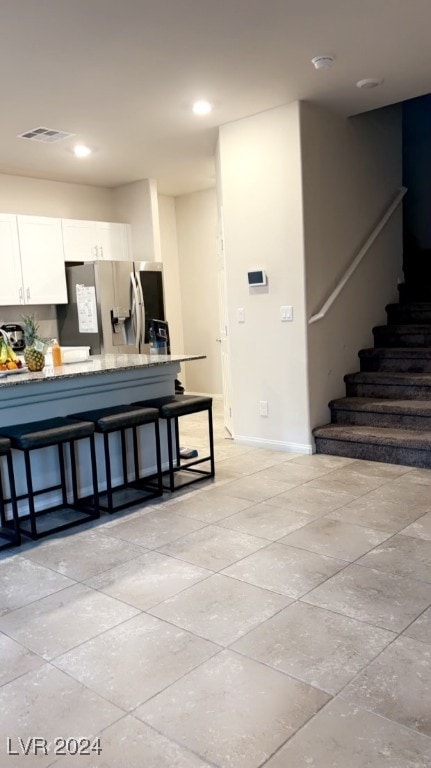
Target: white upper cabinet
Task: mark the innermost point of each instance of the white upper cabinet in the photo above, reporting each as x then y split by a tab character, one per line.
113	241
31	258
79	240
42	260
11	288
93	240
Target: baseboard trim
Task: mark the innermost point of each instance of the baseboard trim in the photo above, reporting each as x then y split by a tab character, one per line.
274	445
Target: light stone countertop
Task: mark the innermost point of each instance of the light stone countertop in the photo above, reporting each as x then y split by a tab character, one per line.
95	364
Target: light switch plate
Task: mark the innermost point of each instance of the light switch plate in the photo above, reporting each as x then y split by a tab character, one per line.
240	314
286	314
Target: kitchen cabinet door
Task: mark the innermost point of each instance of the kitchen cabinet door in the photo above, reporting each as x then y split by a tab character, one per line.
79	240
11	288
112	240
42	260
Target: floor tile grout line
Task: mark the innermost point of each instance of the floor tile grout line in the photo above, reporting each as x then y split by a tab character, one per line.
57	591
328	704
391	573
413	622
355	677
269	542
224	649
356	561
120	706
171	738
204	579
303	725
385	717
290	675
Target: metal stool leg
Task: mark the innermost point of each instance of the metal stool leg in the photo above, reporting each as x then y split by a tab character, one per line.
3	521
135	453
14	503
94	475
32	511
170	456
124	455
73	471
108	473
62	473
158	458
177	441
211	441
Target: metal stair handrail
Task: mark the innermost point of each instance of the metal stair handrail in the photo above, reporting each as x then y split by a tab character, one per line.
357	260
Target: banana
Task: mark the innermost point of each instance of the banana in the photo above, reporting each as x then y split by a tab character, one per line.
11	354
3	352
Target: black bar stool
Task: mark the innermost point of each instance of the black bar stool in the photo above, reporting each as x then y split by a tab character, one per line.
9	529
60	432
172	408
119	418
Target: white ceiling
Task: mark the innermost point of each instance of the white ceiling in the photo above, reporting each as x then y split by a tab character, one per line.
122	75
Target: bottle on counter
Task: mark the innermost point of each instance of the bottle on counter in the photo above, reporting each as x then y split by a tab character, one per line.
57	358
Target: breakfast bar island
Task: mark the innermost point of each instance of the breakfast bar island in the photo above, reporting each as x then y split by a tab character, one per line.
98	382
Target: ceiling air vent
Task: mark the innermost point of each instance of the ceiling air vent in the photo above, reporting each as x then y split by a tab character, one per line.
46	135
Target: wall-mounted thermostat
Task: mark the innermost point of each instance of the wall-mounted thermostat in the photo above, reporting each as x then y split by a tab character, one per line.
257	277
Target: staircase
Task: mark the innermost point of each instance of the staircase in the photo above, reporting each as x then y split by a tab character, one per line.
386	414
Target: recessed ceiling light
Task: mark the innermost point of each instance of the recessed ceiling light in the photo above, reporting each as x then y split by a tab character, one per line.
202	107
324	61
81	150
369	82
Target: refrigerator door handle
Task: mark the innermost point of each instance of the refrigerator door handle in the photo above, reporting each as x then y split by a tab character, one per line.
142	311
136	315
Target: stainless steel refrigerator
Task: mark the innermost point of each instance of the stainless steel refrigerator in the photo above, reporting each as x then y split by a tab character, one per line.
110	304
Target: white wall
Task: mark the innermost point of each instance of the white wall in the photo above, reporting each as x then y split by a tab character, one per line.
351	173
137	204
38	197
196	216
261	194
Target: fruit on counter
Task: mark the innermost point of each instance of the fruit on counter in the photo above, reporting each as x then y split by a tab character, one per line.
8	358
10	366
33	355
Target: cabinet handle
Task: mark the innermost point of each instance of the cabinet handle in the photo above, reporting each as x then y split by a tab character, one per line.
28	294
21	296
101	251
95	251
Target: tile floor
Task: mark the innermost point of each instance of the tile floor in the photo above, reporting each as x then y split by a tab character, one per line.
278	616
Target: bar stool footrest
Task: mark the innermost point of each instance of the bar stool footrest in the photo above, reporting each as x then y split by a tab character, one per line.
59	514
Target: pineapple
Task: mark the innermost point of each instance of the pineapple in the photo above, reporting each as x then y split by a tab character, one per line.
34	344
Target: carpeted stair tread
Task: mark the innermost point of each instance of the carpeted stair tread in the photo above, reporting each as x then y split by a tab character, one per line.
397	352
389	385
401	328
410	313
414	292
408	359
386	414
378	405
413	335
411	305
389	377
402	438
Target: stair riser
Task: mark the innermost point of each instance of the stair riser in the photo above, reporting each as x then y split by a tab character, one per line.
386	337
397	365
410	457
369	419
414	292
400	315
388	391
